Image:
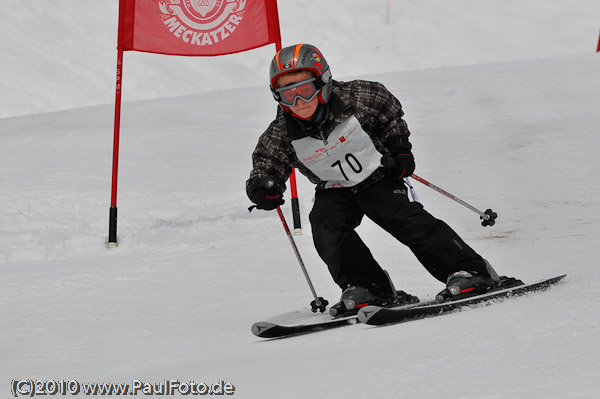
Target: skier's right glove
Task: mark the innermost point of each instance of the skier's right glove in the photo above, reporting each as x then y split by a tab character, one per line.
265	192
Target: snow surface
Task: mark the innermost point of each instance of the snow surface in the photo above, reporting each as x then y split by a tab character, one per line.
194	269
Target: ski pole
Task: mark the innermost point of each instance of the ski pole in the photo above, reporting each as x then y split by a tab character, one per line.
488	217
319	303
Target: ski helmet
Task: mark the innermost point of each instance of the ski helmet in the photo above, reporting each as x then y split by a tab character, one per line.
297	58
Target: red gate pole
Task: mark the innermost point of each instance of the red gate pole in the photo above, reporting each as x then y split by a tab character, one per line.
112	222
295	203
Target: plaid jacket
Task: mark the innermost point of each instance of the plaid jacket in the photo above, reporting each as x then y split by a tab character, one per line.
377	110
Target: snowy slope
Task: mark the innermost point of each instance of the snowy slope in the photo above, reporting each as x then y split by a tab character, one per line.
194	269
61	54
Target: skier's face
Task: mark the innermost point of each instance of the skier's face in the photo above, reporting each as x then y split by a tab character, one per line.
303	109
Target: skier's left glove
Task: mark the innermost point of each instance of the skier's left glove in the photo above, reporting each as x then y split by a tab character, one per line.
404	165
404	161
265	192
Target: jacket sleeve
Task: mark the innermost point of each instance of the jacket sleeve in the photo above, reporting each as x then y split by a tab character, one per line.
271	157
389	122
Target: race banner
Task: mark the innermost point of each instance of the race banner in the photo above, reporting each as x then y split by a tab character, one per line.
197	27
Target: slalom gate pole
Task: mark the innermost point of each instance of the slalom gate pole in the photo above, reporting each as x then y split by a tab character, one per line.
319	303
295	203
488	217
112	221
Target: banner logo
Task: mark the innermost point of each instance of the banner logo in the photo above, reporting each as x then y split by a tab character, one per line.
202	22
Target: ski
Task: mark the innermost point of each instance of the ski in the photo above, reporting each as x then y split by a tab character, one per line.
375	315
303	322
266	329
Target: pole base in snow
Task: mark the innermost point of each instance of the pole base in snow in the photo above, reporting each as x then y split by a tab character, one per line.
112	228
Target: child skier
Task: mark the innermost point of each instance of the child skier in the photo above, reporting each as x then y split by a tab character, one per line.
336	134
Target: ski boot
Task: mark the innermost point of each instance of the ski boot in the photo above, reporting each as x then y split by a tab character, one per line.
356	296
464	284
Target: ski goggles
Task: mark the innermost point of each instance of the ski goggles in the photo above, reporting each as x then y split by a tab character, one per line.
306	90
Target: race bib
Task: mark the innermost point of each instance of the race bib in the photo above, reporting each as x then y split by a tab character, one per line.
348	158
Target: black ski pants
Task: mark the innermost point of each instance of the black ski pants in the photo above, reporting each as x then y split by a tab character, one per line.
338	212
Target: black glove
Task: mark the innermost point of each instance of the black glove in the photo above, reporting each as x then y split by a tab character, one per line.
265	192
404	161
404	165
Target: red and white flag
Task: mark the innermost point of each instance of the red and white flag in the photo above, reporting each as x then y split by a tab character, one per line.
197	27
